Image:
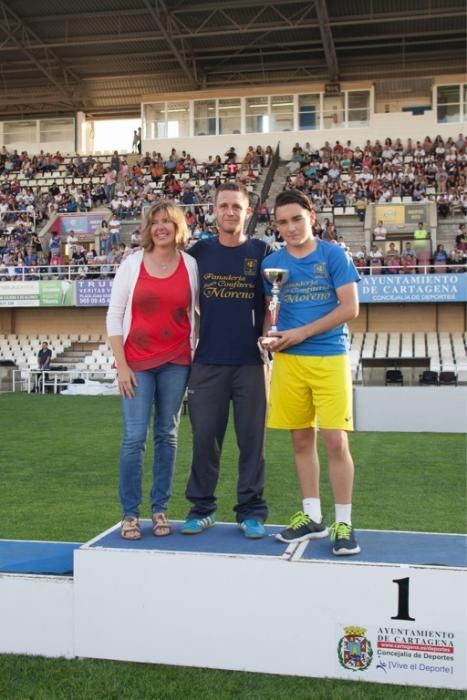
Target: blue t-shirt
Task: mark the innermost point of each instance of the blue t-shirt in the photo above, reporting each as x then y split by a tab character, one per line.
231	299
310	293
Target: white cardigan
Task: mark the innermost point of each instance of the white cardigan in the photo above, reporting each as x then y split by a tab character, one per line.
119	312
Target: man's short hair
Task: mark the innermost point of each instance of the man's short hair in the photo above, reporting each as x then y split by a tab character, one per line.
232	187
292	197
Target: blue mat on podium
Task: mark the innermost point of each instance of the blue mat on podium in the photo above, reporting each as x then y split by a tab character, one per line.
29	557
378	547
393	547
390	547
223	538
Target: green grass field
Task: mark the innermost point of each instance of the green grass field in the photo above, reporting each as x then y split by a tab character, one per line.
58	480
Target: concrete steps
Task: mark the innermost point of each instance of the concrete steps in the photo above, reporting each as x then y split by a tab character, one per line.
277	184
447	231
353	231
75	354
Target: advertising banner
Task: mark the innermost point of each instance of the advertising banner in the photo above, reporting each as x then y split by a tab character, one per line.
19	293
390	289
73	223
93	292
415	213
390	214
81	224
401	214
56	293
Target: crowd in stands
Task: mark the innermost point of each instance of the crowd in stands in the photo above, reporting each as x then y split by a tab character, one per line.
396	257
405	259
338	175
410	256
86	183
347	175
380	173
391	257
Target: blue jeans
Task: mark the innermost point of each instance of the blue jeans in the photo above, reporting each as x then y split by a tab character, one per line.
164	387
115	238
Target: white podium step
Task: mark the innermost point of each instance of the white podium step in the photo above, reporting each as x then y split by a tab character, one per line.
393	614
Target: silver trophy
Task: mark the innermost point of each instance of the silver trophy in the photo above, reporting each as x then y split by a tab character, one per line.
277	277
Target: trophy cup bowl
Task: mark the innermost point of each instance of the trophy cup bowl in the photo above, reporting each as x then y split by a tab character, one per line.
276	276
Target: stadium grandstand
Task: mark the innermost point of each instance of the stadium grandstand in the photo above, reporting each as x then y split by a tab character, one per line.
383	161
362	106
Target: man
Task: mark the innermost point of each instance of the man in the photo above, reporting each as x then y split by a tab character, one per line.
114	230
422	246
140	141
420	233
110	179
461	237
228	367
44	357
379	232
71	242
360	207
311	380
55	244
408	259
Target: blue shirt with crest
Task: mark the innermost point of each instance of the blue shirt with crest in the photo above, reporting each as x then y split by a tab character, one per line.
310	293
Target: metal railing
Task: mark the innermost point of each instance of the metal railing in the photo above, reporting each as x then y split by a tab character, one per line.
417	268
51	381
16	273
74	273
264	192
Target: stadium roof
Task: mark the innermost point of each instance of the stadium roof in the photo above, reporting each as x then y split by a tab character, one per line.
58	56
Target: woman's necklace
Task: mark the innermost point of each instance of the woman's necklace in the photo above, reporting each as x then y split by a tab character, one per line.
167	264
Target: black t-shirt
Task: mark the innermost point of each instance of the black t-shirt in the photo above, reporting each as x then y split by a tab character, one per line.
44	357
231	301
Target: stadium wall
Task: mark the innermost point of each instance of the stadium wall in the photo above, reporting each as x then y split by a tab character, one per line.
403	126
381	124
65	321
410	409
409	318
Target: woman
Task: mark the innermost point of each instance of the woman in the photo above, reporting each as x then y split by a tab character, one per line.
151	328
440	259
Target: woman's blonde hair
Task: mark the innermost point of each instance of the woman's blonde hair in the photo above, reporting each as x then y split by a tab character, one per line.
176	216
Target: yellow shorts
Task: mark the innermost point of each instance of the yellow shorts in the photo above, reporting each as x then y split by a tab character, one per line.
308	390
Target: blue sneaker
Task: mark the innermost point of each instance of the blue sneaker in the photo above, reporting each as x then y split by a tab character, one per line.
193	526
253	529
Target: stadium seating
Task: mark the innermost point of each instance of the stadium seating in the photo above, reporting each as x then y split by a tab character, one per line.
446	352
393	376
429	378
447	378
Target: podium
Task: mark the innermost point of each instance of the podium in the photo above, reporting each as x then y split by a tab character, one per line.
395	613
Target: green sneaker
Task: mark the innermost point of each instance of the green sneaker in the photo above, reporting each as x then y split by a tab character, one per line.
302	528
343	538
